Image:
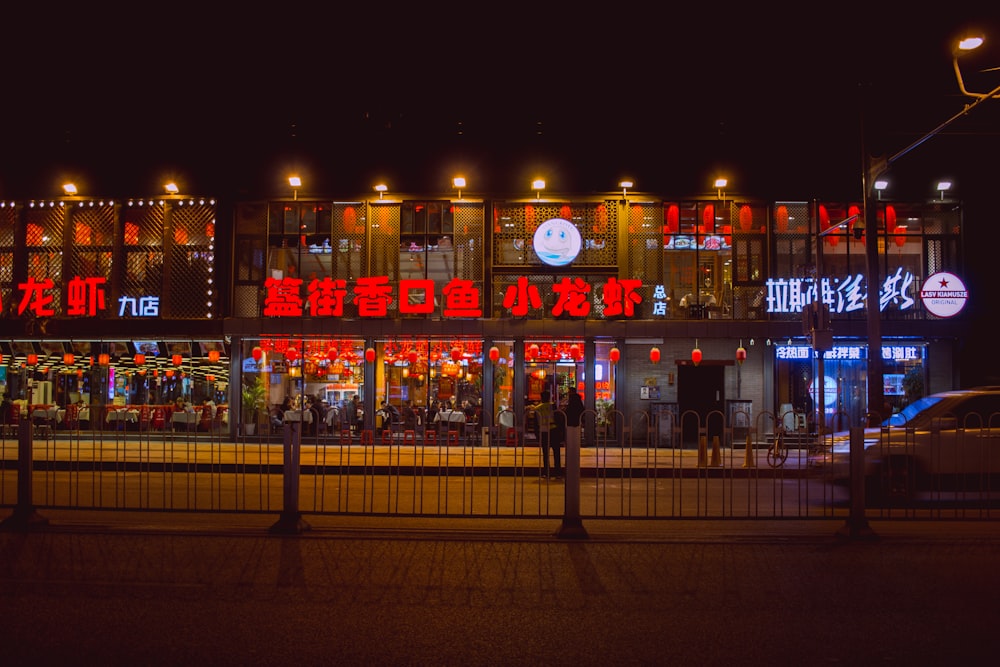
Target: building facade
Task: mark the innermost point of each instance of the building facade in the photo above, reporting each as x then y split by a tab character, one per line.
646	305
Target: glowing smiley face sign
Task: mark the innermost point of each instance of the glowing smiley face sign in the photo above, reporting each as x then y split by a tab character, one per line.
557	242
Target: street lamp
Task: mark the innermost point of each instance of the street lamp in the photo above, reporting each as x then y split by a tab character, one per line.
458	183
872	170
625	185
296	183
171	188
381	189
69	188
880	185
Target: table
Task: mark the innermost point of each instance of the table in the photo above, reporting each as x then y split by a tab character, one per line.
189	419
298	416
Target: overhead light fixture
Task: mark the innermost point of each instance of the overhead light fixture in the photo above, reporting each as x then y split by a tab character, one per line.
942	187
720	185
625	185
880	185
458	183
69	188
171	188
296	183
381	189
538	185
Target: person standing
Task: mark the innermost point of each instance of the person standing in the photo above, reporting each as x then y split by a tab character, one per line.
574	408
546	436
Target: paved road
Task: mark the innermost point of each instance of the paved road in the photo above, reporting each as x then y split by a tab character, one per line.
167	589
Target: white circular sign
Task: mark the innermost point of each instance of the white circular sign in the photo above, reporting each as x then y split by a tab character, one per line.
944	294
557	242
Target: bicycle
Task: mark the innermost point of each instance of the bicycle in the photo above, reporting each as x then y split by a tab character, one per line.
777	453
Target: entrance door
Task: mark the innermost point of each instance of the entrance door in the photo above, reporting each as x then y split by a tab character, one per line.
700	389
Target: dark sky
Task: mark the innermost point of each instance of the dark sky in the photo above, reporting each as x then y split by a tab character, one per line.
669	97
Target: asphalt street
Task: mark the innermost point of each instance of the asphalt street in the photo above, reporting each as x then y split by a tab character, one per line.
95	588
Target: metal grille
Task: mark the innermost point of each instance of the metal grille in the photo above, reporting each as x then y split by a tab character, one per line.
644	223
192	262
349	222
44	241
514	225
385	241
469	255
8	218
143	251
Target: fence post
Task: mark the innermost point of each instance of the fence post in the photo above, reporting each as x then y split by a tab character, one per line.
290	520
24	517
572	525
856	526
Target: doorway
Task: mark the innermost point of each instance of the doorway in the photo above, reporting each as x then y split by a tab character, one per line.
701	389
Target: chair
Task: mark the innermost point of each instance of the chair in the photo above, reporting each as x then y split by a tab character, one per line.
145	416
159	420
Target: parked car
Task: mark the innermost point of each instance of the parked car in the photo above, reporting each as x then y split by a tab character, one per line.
944	444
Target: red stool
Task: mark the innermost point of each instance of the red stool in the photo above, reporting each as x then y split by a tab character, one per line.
511	438
345	435
431	438
410	435
386	437
453	438
367	437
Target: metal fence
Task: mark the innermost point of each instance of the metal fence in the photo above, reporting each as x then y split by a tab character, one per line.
634	468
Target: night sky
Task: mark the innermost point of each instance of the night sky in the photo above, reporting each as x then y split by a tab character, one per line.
228	103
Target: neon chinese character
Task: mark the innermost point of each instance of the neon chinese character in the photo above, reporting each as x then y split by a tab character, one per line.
373	296
620	297
411	303
85	296
36	297
518	297
282	298
461	299
572	297
326	296
127	303
149	306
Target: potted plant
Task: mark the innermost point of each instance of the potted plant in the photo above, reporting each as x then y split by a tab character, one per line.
253	397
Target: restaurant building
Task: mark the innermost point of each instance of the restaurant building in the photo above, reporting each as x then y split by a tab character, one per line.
647	305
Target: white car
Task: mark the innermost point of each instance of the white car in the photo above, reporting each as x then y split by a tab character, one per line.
946	445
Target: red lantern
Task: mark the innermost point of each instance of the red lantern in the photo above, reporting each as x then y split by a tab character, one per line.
68	358
139	359
413	356
332	354
708	219
257	353
890	218
696	354
370	355
79	372
614	355
210	378
673	218
746	217
104	359
291	354
532	351
456	353
170	372
781	216
574	352
1	359
900	237
494	354
213	356
741	355
32	359
654	355
177	359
